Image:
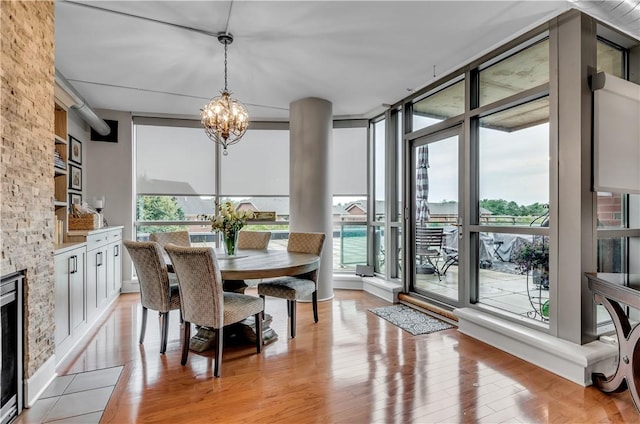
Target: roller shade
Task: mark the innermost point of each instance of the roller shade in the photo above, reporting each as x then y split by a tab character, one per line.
258	165
349	168
174	161
616	135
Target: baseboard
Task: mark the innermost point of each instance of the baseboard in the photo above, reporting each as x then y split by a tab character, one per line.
347	282
130	286
386	290
569	360
38	383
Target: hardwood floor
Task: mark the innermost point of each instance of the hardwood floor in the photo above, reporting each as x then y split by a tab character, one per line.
351	367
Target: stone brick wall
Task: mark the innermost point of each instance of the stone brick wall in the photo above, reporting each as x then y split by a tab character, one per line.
26	165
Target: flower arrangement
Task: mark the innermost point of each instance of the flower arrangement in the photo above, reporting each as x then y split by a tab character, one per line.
229	222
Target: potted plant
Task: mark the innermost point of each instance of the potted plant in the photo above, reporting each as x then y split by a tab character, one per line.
534	258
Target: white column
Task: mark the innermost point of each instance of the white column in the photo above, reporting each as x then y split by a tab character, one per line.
310	129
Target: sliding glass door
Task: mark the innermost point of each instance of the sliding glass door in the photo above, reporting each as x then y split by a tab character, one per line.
436	219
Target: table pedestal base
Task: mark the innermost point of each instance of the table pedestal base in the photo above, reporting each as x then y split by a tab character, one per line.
626	375
243	332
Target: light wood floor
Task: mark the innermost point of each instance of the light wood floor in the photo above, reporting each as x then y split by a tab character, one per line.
351	367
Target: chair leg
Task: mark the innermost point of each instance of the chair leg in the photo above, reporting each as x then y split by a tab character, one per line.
186	337
258	318
264	304
218	355
164	331
314	300
143	328
292	307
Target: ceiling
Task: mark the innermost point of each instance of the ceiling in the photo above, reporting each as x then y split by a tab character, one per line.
163	57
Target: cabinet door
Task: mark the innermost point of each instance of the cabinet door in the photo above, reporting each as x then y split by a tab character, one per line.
114	276
77	296
103	289
96	280
63	265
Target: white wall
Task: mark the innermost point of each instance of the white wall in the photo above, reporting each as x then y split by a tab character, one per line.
108	172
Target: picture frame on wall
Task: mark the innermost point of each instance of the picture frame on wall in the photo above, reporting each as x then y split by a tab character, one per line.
75	150
75	177
74	199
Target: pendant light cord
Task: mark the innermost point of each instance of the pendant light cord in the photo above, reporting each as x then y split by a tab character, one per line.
226	31
225	65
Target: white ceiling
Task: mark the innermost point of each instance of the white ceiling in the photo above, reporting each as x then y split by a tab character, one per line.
140	56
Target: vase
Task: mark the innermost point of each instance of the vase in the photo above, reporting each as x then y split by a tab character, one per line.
230	241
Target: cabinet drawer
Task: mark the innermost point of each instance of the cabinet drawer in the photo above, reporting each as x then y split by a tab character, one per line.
115	235
95	241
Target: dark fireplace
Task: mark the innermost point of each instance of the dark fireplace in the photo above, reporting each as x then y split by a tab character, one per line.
11	338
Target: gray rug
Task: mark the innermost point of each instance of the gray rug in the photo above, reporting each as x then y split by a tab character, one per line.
410	320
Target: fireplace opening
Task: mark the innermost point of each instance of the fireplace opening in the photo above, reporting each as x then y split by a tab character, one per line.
11	292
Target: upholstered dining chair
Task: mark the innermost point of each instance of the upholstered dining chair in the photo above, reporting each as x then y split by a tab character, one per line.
157	291
247	240
203	301
292	288
180	238
253	239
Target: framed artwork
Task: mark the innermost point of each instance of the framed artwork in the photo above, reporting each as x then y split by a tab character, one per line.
75	177
75	150
75	198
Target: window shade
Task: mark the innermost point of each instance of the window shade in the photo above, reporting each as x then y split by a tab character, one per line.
616	134
349	168
257	165
174	161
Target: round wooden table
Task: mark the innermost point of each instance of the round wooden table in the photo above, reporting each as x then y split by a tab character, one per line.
251	264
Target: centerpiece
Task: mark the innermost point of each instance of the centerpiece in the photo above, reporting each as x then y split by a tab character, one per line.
228	223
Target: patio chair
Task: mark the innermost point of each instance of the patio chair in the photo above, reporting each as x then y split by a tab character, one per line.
429	243
292	288
157	291
203	301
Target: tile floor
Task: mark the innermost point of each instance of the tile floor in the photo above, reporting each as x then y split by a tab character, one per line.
74	398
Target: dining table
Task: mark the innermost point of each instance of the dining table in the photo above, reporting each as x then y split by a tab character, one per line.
252	264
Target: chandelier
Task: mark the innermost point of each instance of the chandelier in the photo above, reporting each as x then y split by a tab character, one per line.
225	120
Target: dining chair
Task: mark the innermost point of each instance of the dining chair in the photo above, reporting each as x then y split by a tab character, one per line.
299	286
203	301
247	240
157	291
180	238
253	239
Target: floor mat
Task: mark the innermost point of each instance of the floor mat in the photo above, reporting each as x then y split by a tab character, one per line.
411	320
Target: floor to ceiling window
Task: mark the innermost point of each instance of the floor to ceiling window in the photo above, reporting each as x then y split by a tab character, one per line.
510	220
377	219
435	163
618	214
180	176
493	252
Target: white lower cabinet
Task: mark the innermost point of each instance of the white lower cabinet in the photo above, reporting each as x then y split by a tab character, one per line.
88	276
70	312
